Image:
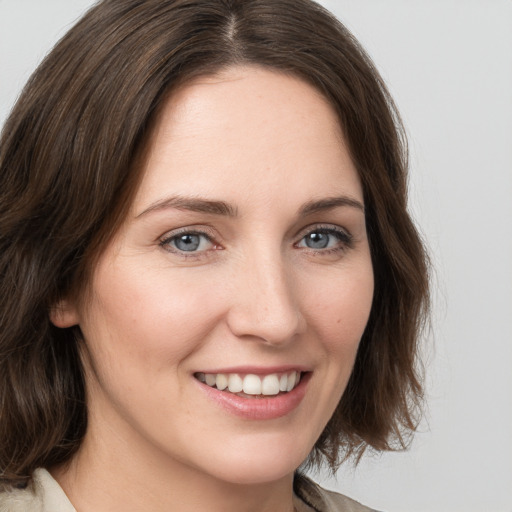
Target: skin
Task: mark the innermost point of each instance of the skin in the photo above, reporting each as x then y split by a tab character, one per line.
254	293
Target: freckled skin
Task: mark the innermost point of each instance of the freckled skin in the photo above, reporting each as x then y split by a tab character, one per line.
254	294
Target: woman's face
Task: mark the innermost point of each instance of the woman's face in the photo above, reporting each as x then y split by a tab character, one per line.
244	262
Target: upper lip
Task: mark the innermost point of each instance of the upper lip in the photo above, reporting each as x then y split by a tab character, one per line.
258	370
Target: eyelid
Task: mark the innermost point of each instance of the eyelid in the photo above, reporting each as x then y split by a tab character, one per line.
328	228
209	234
346	239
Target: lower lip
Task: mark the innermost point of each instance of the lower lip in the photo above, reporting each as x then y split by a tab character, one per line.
269	408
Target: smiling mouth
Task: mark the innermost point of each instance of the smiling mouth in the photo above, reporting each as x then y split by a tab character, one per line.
251	385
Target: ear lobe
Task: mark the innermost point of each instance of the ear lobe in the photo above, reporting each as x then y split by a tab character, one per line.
64	314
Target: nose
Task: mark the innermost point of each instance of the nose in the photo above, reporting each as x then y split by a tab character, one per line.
265	302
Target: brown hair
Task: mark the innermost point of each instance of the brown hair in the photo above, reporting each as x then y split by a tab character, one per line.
68	172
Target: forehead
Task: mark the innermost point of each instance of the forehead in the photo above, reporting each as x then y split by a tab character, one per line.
245	130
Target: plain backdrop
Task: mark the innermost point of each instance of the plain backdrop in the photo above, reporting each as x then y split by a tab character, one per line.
448	64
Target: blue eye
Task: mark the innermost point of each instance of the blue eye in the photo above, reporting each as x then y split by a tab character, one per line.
325	238
317	240
188	242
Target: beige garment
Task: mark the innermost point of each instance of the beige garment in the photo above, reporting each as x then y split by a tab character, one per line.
45	495
310	497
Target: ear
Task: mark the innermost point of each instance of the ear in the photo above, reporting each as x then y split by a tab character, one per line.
64	314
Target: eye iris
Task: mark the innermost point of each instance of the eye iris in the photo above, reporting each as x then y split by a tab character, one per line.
187	242
317	240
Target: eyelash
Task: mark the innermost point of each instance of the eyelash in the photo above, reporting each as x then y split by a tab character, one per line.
167	240
344	238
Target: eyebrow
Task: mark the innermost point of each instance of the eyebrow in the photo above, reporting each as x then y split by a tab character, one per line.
193	204
196	204
330	203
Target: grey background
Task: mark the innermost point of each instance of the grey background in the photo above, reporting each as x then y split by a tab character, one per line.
448	64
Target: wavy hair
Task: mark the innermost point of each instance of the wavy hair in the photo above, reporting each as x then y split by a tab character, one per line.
69	156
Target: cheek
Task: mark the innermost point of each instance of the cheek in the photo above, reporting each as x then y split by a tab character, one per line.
140	319
338	313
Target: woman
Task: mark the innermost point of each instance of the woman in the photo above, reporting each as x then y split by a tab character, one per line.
209	276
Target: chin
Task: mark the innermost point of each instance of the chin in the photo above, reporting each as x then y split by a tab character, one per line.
263	461
249	473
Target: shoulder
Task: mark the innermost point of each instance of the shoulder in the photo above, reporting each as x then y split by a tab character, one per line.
322	500
43	494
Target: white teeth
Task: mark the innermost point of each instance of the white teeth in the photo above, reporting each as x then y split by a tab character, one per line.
251	384
291	381
235	383
283	382
221	381
270	385
211	379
